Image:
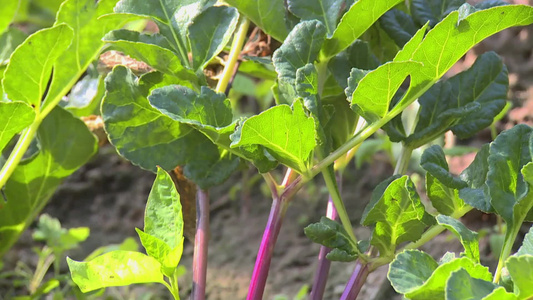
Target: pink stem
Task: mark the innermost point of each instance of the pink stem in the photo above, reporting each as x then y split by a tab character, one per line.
199	264
357	280
264	255
322	270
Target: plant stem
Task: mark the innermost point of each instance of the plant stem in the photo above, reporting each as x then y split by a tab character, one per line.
403	161
18	152
235	52
435	230
358	278
322	270
199	264
510	236
264	255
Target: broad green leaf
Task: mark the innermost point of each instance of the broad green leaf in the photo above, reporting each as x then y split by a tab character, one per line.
398	215
462	286
361	15
168	257
510	195
374	92
266	14
468	238
14	116
332	235
500	294
163	218
455	39
445	199
9	9
258	69
9	41
433	11
129	244
300	48
475	175
86	96
341	125
527	244
288	134
520	268
140	132
398	25
90	21
435	286
209	33
326	11
65	144
408	50
307	88
152	50
434	162
358	55
59	239
30	66
171	16
465	103
410	270
117	268
490	3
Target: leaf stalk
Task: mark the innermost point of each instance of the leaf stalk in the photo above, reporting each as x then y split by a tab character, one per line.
199	264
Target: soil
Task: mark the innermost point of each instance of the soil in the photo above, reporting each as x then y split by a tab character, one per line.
108	195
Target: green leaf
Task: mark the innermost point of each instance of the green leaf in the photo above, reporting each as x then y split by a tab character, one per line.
456	39
168	257
374	92
326	11
465	103
361	15
140	132
292	143
434	287
129	244
398	215
307	88
500	294
468	238
434	162
510	195
14	116
65	144
527	244
332	235
30	66
117	268
9	9
300	48
462	286
398	25
60	239
475	175
358	55
86	96
90	21
209	33
433	11
445	199
152	49
9	41
410	270
343	121
266	14
163	218
519	268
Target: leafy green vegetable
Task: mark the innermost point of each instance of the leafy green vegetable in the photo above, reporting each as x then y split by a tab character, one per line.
289	135
468	238
332	235
326	11
433	11
358	55
398	25
24	80
34	181
9	9
410	270
116	268
361	15
527	244
477	193
14	116
209	32
398	215
434	161
461	285
264	13
519	268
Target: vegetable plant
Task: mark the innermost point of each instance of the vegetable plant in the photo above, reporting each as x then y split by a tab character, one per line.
344	70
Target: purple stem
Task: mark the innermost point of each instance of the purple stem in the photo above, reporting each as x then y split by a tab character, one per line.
264	255
356	282
199	263
322	270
